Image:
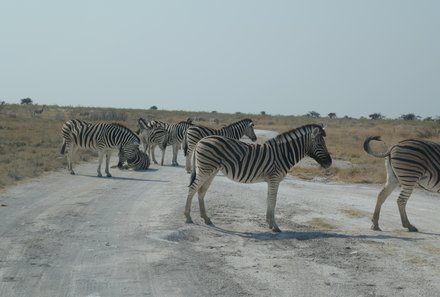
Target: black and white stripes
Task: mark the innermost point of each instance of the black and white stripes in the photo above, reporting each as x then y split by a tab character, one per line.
409	163
235	130
250	163
102	137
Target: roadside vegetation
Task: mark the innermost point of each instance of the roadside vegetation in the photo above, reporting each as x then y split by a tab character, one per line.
30	137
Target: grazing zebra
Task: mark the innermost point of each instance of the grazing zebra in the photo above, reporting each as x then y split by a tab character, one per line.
134	157
176	133
251	163
408	163
153	134
235	130
102	137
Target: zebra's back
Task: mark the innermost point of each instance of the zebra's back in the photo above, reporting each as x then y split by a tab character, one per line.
240	161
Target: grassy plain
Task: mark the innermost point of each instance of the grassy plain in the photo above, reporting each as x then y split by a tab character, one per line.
30	143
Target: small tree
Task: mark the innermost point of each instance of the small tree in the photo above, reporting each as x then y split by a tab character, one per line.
332	115
408	117
263	113
26	101
313	114
154	107
376	116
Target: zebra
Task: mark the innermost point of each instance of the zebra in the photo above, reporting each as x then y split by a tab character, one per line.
176	133
408	163
135	158
235	130
250	163
102	137
153	134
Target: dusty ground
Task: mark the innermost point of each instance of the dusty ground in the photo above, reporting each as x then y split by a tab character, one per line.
63	235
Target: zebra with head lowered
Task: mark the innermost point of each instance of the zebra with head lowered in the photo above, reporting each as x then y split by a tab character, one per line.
134	157
176	133
251	163
235	130
408	163
153	134
102	137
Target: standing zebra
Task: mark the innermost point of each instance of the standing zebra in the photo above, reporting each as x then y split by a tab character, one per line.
408	163
134	157
251	163
176	133
235	130
153	134
102	137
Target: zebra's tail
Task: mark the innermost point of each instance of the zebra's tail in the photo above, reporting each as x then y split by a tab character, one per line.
185	146
193	168
368	149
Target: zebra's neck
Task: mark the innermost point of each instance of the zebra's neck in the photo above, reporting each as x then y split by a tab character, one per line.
292	145
234	130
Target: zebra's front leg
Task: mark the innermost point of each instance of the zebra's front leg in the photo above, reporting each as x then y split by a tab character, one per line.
163	156
100	156
175	151
272	191
107	161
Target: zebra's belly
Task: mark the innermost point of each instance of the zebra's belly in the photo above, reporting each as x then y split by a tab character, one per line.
245	179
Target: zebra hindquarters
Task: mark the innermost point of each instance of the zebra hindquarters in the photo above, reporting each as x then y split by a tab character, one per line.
202	176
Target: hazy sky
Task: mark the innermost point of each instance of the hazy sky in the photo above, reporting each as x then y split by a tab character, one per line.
283	57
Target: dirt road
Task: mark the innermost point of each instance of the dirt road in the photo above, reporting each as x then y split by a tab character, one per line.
63	235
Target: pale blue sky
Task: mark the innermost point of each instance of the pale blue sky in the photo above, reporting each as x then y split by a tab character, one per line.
283	57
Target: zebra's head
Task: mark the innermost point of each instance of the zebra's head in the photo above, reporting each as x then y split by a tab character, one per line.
317	148
249	130
127	153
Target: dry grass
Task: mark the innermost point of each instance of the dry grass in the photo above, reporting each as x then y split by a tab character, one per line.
29	145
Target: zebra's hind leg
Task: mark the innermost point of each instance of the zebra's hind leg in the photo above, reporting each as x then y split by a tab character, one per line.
388	188
175	151
272	191
401	202
70	154
196	185
201	195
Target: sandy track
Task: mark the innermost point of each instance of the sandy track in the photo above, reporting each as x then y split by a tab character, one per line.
80	235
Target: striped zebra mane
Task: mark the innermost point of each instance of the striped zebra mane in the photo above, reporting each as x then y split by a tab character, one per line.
296	133
237	122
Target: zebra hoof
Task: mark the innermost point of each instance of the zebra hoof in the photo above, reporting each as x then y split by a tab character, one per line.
276	229
189	221
109	175
72	173
375	228
411	228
